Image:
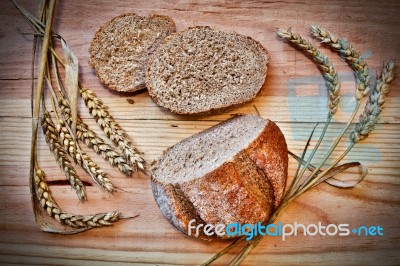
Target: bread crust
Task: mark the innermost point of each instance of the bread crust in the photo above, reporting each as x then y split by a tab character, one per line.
99	35
159	102
244	189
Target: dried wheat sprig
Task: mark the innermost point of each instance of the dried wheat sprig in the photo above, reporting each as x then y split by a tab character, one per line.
81	158
367	120
373	108
108	124
99	111
83	133
76	221
347	51
328	70
73	149
361	72
332	81
111	128
93	141
57	148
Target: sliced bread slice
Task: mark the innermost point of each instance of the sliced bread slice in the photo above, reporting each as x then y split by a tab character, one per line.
200	69
233	172
121	47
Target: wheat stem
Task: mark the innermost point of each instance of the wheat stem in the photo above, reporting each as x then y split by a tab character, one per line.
73	149
332	148
89	137
43	59
81	158
332	81
111	128
107	122
76	221
242	255
93	141
368	119
361	131
57	148
362	75
254	242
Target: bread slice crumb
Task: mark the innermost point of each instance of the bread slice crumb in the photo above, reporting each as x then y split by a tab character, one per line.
200	70
120	49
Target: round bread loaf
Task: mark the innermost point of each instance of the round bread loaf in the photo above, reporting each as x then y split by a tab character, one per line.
200	69
233	172
121	47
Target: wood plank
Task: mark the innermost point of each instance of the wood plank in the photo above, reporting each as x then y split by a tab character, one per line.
293	95
306	102
380	151
105	257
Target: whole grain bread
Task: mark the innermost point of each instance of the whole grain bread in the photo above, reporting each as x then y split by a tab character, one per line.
200	69
233	172
121	47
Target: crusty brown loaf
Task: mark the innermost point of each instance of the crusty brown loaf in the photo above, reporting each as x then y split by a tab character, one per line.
242	182
121	47
199	70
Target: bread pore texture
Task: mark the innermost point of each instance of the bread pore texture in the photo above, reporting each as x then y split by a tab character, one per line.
233	172
120	49
200	69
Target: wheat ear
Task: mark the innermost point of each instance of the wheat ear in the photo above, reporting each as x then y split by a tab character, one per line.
76	221
374	106
111	128
332	81
81	158
57	148
323	62
347	52
361	72
93	141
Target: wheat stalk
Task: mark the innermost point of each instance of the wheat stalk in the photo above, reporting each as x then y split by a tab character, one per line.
96	107
347	52
361	72
374	106
363	128
93	141
332	81
57	148
327	68
367	121
81	158
111	128
76	221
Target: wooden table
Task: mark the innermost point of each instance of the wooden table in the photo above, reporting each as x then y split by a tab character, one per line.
294	95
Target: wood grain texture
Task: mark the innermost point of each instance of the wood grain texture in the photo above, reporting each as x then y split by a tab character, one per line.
294	96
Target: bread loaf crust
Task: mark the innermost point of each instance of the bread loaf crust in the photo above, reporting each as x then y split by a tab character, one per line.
244	189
